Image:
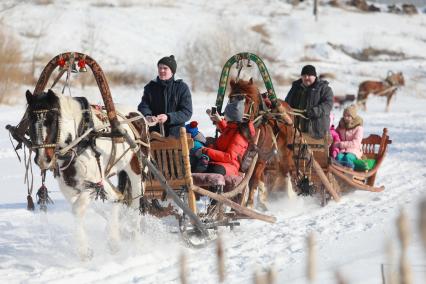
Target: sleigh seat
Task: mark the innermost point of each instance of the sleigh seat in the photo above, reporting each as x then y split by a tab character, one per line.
374	147
171	157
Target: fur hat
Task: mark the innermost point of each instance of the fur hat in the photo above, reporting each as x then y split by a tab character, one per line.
234	111
356	119
192	128
308	70
351	110
169	61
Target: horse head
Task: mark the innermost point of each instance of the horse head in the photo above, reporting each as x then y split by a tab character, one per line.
395	79
44	116
246	90
50	127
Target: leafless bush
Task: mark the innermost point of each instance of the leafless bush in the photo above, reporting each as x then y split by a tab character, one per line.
10	65
369	53
125	78
281	80
102	3
43	2
37	60
204	56
130	3
89	41
113	78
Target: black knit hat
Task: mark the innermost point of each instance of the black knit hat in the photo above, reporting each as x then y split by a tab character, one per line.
169	61
308	70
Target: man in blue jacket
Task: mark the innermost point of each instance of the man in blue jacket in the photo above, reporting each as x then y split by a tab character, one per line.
166	100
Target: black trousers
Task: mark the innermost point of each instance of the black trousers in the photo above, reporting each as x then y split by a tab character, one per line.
215	169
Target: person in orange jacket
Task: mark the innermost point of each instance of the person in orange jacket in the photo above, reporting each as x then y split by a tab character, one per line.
229	148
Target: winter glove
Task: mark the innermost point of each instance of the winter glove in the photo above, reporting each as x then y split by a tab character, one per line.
204	159
152	120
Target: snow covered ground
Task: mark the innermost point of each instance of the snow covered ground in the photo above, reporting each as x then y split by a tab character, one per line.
350	235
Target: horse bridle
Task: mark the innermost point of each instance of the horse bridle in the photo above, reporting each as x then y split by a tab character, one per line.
41	116
85	123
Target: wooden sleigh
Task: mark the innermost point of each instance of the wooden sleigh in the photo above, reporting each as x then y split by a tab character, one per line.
171	157
373	147
323	174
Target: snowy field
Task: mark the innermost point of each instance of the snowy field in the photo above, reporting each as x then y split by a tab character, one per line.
350	235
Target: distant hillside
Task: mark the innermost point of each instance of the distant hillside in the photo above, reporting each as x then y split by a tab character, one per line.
418	3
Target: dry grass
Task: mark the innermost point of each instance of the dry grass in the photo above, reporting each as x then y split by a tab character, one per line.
11	74
369	53
114	78
131	3
327	75
260	29
203	57
281	80
43	2
102	4
125	78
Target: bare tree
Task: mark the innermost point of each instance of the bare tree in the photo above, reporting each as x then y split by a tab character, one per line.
205	55
89	41
10	64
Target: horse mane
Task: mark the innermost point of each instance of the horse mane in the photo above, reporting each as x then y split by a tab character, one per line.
243	87
244	129
43	101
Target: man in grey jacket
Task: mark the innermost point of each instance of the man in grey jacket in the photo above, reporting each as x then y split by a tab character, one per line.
315	98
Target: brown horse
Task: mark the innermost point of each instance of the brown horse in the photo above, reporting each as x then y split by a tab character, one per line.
275	126
386	88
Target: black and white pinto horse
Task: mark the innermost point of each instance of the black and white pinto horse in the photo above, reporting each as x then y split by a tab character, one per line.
55	122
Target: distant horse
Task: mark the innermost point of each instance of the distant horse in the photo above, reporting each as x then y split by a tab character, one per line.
82	169
386	88
275	134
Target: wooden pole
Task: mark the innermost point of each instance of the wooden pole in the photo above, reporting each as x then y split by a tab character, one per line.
325	180
240	209
188	177
220	260
311	258
183	269
404	238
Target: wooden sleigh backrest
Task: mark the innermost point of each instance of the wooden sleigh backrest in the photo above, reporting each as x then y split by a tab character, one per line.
375	146
171	156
